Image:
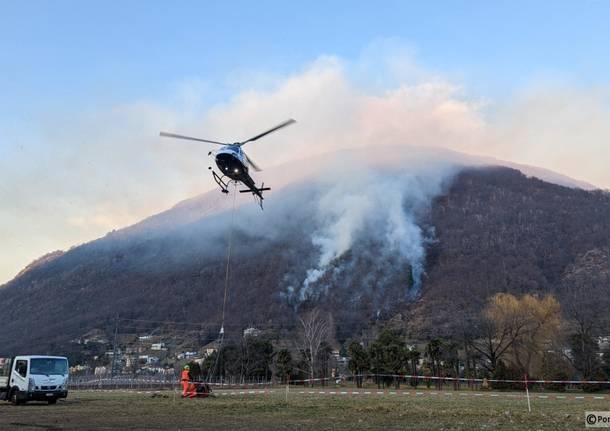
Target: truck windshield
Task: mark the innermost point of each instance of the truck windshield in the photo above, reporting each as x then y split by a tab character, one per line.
48	366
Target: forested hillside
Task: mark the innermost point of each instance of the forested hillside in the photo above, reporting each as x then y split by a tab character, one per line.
492	230
498	231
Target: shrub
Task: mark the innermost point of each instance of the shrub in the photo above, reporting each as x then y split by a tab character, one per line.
505	372
554	367
597	375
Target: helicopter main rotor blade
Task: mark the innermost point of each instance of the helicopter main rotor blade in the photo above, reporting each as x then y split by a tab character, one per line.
279	126
189	138
251	162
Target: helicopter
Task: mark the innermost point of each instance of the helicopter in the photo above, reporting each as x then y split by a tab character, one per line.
233	163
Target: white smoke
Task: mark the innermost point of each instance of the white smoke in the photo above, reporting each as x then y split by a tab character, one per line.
382	203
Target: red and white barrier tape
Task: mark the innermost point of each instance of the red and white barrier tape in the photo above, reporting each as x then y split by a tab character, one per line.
418	378
480	380
397	392
229	392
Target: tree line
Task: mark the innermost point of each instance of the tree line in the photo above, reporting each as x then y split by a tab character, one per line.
261	358
513	338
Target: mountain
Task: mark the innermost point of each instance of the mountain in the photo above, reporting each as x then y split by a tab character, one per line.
423	236
499	231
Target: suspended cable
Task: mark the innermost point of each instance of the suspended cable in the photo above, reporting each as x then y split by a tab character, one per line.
226	287
228	266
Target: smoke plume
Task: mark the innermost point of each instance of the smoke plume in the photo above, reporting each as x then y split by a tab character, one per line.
374	203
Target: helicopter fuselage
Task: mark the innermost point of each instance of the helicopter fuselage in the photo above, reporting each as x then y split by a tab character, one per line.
232	163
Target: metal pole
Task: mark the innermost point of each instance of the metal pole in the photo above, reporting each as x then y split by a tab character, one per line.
527	393
114	346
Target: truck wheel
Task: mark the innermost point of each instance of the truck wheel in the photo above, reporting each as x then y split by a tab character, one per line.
52	401
14	397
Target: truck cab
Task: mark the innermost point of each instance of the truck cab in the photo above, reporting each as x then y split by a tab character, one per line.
34	378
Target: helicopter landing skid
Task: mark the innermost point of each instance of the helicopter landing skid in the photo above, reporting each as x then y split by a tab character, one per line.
224	186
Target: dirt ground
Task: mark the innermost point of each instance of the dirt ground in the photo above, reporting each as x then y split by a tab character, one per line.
117	410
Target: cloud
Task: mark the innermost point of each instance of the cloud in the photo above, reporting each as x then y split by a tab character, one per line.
562	129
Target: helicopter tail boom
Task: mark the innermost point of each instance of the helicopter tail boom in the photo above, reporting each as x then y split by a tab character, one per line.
257	192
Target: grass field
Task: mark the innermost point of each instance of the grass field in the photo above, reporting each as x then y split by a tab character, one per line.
117	410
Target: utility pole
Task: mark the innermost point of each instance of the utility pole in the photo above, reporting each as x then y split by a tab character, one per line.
115	347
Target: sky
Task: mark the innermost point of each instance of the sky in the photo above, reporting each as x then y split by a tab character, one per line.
86	86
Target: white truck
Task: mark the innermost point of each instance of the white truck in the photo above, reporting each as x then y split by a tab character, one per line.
34	378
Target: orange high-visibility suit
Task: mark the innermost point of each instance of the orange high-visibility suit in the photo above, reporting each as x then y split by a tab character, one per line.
188	389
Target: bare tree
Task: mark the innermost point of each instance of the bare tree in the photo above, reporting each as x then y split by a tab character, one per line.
585	304
314	332
542	332
584	286
501	323
521	329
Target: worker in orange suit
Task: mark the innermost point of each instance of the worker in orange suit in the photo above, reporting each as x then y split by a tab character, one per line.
185	379
192	390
